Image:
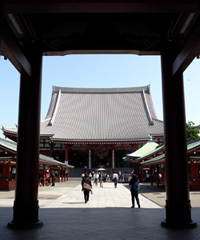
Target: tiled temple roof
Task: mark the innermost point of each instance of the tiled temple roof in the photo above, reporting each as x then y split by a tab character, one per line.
98	114
101	114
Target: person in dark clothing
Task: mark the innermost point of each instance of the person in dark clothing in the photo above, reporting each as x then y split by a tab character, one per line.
40	179
134	183
86	192
115	179
53	178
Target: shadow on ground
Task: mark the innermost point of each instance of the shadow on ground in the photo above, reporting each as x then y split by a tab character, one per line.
147	188
96	224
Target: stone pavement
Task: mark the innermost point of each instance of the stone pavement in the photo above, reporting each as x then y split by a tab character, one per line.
69	194
106	215
106	197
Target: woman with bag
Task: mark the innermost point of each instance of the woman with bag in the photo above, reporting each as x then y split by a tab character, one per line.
134	183
86	187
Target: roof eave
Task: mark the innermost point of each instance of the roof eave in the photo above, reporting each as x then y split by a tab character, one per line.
99	141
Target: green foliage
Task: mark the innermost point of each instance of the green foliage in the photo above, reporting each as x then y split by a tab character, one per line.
192	131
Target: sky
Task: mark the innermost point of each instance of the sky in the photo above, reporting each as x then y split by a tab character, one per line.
97	71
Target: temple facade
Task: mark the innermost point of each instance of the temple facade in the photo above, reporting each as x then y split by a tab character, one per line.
94	127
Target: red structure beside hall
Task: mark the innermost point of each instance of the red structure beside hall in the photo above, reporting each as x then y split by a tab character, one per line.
153	163
8	157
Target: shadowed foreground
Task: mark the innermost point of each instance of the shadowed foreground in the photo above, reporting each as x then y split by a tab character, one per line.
99	223
106	216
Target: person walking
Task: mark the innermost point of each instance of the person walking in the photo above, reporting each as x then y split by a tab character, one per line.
53	178
47	178
135	186
96	176
86	187
115	179
40	179
100	179
90	176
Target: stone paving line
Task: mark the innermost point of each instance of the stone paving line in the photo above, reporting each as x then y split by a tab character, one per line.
105	197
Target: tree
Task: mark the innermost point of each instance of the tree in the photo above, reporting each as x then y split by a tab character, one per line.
192	131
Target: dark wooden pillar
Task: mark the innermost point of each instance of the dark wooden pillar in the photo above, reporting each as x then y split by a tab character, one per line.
44	174
90	160
152	174
50	174
113	160
58	174
62	173
66	154
178	208
26	194
157	175
1	24
142	176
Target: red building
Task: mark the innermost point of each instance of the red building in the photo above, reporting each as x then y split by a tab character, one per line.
8	156
92	128
154	163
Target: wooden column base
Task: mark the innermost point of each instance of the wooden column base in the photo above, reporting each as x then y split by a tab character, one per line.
25	216
178	215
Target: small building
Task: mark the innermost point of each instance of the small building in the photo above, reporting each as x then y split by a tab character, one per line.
8	152
97	127
154	162
147	151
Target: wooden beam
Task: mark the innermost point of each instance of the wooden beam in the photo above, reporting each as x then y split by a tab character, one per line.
189	51
109	6
1	24
12	50
88	147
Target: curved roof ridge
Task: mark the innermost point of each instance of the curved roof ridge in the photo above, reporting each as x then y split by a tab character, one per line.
147	108
55	108
146	89
158	120
9	129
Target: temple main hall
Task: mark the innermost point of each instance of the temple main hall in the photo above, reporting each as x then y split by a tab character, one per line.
96	127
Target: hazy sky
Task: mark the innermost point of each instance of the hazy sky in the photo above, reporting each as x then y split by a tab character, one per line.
97	71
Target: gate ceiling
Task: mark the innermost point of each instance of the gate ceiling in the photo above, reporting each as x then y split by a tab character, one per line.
131	26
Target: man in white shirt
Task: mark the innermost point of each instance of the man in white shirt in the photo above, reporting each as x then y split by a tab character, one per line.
115	179
96	177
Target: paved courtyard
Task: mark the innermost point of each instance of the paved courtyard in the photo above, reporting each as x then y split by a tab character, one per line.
70	195
106	197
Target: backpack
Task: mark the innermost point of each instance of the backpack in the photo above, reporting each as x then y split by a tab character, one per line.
136	186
